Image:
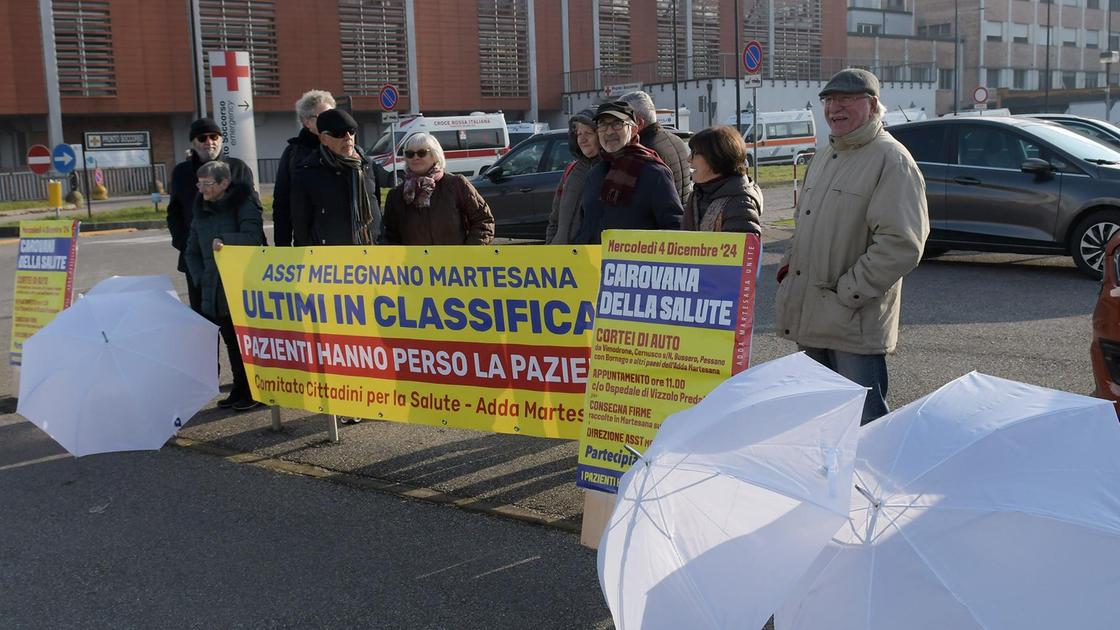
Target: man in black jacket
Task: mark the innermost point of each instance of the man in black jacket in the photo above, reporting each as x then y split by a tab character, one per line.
308	108
335	197
670	148
206	146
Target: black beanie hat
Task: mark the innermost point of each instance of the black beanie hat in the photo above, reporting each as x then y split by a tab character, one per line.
204	125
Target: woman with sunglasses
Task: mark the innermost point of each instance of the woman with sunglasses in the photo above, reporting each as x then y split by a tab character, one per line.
335	197
432	207
226	212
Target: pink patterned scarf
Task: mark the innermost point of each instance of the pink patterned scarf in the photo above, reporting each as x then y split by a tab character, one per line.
418	188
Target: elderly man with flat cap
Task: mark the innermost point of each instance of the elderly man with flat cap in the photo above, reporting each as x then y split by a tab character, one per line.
335	196
206	146
861	224
630	188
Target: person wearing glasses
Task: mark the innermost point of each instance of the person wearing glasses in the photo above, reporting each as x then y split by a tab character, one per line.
308	108
567	214
206	146
630	188
226	212
432	207
860	225
335	196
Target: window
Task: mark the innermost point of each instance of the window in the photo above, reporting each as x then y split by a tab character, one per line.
921	74
938	30
614	36
1046	35
795	52
1092	79
1020	33
1114	40
482	139
1019	81
665	40
374	46
925	144
1069	37
993	78
775	131
525	160
944	79
705	38
448	139
559	157
1093	4
1069	80
1092	39
243	25
83	44
993	31
991	147
864	28
1071	3
503	47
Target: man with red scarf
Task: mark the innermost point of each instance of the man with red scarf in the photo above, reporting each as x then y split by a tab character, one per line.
631	188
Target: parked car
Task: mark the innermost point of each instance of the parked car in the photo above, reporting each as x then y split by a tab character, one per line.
1021	185
519	187
1105	350
1098	130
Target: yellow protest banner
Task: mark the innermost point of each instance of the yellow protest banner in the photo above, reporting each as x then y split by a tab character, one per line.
675	317
487	338
44	284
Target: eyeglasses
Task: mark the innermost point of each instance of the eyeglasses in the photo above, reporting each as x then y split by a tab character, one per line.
340	134
843	100
206	183
208	137
420	153
614	125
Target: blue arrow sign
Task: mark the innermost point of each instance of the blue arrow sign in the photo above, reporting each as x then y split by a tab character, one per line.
752	56
388	97
64	158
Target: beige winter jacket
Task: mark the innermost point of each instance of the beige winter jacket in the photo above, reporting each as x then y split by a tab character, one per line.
861	224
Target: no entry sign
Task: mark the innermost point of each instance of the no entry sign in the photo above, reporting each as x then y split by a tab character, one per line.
39	159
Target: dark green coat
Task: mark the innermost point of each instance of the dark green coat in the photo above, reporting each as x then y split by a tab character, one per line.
236	219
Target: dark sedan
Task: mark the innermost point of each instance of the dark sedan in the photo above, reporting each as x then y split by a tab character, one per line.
519	186
1016	185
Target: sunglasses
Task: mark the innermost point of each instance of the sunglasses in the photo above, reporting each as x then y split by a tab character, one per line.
420	153
340	134
207	137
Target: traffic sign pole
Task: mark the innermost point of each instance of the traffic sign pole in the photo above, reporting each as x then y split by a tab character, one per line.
388	98
89	189
752	63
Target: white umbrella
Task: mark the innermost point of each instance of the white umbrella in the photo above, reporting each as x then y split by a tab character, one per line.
129	284
986	504
733	500
118	372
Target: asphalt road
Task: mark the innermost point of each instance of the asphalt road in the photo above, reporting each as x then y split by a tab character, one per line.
1020	317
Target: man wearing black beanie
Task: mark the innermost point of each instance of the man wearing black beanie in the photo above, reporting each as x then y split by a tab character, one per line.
206	145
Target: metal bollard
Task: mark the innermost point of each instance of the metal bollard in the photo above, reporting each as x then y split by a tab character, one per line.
332	429
276	419
54	196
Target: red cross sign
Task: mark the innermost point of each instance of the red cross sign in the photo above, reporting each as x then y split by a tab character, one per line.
231	72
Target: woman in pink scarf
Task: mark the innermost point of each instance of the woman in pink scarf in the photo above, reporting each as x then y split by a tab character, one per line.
432	207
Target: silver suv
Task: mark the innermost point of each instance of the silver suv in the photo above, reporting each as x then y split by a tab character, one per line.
1017	185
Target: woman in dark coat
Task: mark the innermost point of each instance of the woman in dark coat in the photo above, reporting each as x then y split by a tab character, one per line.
567	209
432	207
226	213
723	198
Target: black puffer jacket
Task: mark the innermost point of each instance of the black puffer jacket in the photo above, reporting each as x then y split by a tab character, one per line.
673	152
236	219
184	191
320	202
297	151
739	202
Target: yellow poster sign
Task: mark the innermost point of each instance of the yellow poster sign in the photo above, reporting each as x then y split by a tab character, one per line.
675	317
486	338
44	284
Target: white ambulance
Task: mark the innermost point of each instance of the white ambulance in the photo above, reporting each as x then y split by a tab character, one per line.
470	143
778	137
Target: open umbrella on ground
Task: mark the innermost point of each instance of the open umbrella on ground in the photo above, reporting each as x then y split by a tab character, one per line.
987	504
118	372
129	284
733	500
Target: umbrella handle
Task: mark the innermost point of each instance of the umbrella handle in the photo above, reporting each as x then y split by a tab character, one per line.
635	453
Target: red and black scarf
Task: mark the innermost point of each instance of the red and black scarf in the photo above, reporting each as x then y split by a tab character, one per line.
623	168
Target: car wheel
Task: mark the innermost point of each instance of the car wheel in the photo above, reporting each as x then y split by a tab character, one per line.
1089	240
803	158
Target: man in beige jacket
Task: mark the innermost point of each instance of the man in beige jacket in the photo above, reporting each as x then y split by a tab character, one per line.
861	224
